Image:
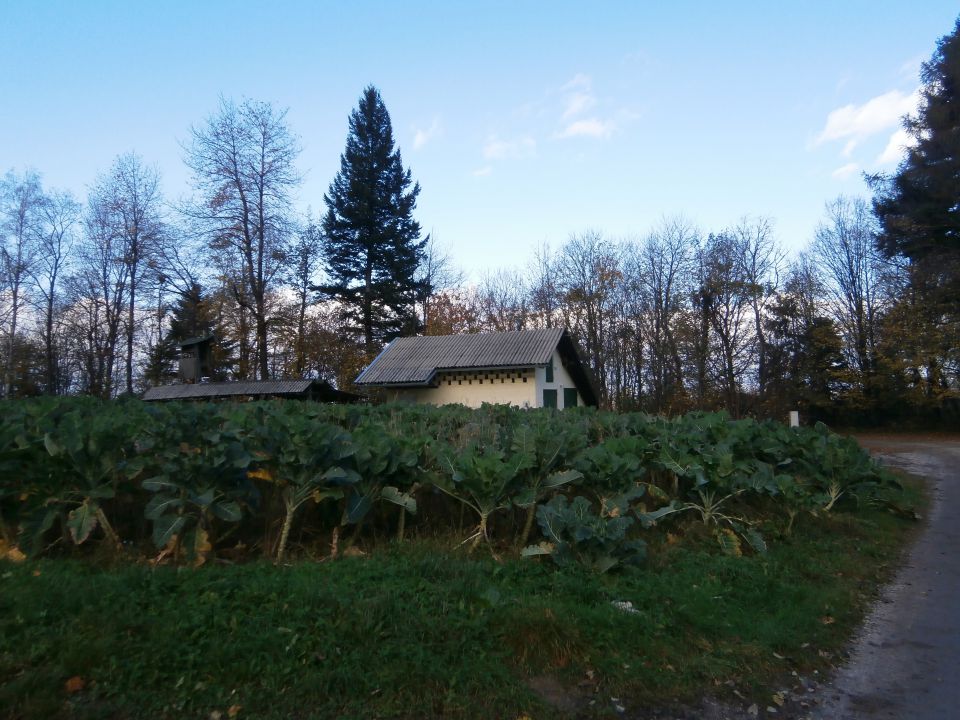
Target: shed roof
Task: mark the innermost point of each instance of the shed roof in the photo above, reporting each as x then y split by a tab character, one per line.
262	388
416	360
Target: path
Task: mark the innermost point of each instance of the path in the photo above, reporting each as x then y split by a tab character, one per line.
906	661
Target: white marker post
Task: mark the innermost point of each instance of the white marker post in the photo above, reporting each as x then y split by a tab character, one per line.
794	418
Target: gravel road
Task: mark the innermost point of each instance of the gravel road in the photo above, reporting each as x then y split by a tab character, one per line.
906	661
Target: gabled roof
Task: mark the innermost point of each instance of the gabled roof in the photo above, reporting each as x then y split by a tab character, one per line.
195	340
414	361
263	388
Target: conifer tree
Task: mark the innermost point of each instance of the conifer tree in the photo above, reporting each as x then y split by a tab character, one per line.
195	314
917	206
372	245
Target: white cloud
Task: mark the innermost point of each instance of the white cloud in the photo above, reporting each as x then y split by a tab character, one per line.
422	137
482	172
578	95
855	123
497	149
845	171
580	81
591	127
578	103
910	70
893	153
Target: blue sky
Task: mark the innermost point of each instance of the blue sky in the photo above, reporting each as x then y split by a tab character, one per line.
523	122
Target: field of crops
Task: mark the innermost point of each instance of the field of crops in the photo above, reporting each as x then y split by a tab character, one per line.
186	483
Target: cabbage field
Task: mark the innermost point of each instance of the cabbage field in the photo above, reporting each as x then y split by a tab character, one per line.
190	483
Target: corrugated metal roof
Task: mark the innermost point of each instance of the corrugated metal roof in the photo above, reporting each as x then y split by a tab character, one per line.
414	360
226	389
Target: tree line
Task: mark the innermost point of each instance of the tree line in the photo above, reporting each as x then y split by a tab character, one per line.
682	320
859	327
97	295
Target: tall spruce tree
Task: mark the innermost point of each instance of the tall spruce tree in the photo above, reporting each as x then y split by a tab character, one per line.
917	205
917	209
372	245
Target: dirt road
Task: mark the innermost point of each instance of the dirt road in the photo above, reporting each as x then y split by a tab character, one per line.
906	661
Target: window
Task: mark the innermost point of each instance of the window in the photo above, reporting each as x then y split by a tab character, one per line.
569	397
549	398
550	370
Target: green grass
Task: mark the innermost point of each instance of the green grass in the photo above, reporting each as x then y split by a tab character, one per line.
420	631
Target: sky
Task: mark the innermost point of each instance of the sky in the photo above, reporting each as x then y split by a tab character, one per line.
524	122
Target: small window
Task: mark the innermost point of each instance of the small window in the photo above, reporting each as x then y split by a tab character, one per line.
549	398
550	371
569	397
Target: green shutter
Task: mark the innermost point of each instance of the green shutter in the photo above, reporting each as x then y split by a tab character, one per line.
549	398
550	370
569	397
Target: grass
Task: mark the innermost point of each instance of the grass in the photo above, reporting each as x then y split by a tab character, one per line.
421	631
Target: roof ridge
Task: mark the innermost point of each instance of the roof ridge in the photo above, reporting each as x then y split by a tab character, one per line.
414	360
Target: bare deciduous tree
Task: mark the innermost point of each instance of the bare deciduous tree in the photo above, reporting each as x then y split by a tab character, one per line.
21	204
662	265
502	301
845	250
759	264
129	201
243	171
589	277
60	216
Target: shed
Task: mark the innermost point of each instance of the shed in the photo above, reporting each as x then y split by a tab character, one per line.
527	368
318	390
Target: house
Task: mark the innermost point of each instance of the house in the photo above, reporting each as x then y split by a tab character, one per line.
317	390
527	368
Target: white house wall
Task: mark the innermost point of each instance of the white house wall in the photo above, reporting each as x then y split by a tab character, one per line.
473	388
561	380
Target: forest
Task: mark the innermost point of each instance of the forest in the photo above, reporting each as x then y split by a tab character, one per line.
860	328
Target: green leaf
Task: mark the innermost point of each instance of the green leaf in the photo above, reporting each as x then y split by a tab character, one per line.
159	484
104	492
51	445
319	496
525	498
238	456
37	527
81	521
357	507
165	527
337	475
404	500
229	510
755	540
649	519
559	479
204	498
604	563
160	505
